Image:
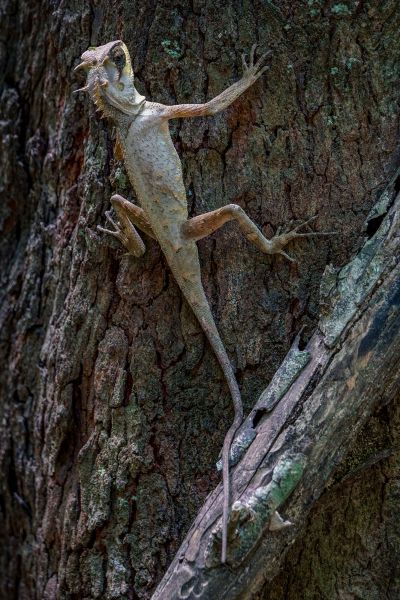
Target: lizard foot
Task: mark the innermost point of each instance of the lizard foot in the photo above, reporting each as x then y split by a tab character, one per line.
254	70
126	233
280	240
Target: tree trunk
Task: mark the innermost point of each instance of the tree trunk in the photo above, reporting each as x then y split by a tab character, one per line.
113	406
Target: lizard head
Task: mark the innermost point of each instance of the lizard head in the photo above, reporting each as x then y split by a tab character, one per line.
110	79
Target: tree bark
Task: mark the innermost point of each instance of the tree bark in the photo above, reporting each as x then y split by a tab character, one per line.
113	407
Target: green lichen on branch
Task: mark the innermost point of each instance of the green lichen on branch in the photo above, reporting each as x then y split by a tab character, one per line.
239	447
251	516
285	376
352	284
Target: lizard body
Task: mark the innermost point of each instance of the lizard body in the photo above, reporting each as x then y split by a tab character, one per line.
155	171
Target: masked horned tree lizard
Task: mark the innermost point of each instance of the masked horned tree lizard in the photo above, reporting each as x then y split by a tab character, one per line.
155	171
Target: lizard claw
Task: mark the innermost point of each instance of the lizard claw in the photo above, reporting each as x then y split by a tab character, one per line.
281	239
254	70
110	220
126	233
287	256
309	233
104	230
252	53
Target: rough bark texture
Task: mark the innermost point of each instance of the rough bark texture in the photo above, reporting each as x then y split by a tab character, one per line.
352	542
113	407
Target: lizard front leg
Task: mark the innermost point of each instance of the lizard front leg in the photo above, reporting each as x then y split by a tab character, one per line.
203	225
251	72
128	215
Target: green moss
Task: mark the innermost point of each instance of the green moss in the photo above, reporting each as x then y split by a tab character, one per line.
120	178
251	516
285	477
331	120
171	48
94	563
288	474
315	10
340	9
354	281
284	378
351	61
239	447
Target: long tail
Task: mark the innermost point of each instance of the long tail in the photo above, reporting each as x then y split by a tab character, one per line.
199	303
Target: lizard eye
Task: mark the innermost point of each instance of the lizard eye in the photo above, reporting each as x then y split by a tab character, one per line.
118	57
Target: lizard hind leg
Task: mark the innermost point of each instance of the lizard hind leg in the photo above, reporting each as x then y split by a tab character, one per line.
124	230
202	225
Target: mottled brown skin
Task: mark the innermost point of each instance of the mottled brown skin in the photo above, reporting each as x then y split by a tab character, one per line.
155	171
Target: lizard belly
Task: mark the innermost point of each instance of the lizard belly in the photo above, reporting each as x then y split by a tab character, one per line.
155	171
165	209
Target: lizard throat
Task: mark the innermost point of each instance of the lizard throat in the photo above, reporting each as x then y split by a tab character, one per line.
105	98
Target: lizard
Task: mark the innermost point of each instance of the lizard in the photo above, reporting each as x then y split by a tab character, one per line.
155	172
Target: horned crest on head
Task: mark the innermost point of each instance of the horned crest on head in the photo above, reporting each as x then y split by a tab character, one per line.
110	79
